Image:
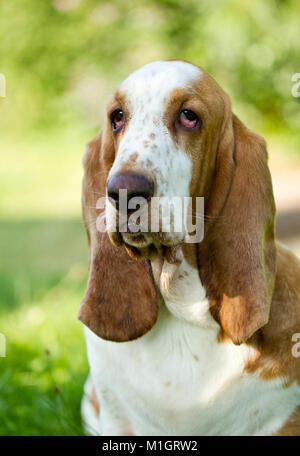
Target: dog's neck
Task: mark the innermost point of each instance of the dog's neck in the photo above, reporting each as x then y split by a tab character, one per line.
181	288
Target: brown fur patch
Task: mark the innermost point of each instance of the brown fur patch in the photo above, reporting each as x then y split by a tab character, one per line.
292	426
94	400
120	302
274	341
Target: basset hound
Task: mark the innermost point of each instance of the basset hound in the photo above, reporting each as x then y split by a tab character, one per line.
187	338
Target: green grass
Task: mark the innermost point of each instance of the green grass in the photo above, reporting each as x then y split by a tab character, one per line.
42	280
43	272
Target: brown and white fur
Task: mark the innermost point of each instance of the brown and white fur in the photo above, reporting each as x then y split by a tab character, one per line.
189	339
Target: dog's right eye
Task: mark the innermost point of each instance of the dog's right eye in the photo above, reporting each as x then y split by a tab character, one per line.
188	119
117	120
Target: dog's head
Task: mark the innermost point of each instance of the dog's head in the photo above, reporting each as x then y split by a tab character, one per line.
163	125
170	133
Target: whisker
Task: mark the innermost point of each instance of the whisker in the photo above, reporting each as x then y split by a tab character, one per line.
97	174
89	223
209	217
97	193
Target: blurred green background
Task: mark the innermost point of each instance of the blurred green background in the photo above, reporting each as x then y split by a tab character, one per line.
62	59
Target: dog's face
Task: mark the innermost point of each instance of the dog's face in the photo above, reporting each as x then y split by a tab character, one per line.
163	121
170	133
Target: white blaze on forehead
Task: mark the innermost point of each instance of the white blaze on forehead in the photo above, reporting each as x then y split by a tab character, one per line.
156	80
147	138
147	144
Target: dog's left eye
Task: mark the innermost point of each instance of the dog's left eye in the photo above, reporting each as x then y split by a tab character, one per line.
117	120
188	119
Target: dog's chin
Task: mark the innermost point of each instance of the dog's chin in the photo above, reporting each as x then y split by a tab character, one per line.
138	240
150	246
141	246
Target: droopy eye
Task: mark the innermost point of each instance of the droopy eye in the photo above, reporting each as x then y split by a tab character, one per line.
188	119
117	120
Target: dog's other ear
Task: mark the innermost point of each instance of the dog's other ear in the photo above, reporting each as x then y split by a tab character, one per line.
240	268
120	302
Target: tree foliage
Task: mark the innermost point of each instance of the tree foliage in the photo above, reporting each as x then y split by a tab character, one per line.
62	58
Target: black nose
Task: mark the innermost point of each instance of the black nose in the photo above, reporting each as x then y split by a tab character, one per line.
137	185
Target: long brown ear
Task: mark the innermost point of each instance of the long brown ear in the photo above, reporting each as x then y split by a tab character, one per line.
237	260
120	302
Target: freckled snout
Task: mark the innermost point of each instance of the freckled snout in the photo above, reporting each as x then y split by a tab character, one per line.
137	185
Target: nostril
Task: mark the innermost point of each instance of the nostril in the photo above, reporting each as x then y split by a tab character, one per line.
114	196
143	194
113	189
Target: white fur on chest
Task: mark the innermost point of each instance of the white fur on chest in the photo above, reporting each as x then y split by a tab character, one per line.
178	380
183	293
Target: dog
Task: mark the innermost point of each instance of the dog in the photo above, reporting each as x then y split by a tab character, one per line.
187	338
